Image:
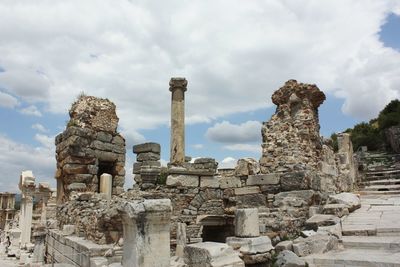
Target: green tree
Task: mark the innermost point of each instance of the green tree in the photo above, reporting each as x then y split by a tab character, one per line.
390	115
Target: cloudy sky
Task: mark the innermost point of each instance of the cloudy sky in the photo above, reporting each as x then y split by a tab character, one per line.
233	53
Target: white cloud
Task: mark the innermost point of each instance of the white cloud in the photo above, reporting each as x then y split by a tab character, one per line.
31	111
45	141
16	157
198	146
39	127
244	147
226	132
227	163
233	61
8	101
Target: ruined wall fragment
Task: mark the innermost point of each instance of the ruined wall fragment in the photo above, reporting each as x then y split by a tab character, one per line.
89	147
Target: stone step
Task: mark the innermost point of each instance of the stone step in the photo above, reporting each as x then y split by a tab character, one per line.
379	187
382	172
371	242
383	177
355	257
363	192
381	182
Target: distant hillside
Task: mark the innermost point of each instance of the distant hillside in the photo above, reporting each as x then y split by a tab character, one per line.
372	133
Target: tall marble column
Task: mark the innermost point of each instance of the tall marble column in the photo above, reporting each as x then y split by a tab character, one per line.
178	87
27	222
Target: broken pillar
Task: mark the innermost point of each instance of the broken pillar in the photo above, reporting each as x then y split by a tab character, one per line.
146	226
178	87
180	239
106	184
27	187
246	223
147	169
254	249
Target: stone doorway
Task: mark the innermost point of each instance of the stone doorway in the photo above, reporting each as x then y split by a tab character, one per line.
217	233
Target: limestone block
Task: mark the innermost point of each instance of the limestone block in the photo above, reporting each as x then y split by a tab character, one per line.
77	186
98	262
321	220
247	223
211	254
247	190
288	259
294	198
251	201
315	244
68	229
260	259
250	245
263	179
147	156
147	147
296	180
247	166
284	245
335	230
136	167
328	168
229	182
352	201
339	210
209	181
182	180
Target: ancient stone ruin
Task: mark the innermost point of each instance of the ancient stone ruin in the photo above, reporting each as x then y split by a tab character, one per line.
89	147
289	204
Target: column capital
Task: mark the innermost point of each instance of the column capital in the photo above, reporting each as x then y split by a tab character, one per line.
178	83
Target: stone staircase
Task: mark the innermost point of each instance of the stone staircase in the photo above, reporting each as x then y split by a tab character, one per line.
371	234
380	175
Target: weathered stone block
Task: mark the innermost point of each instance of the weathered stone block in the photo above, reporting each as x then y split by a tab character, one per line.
288	259
263	179
246	223
104	137
76	186
294	198
250	245
321	220
251	201
209	181
284	245
147	156
147	147
339	210
296	180
229	182
247	190
319	243
247	166
182	180
352	201
211	254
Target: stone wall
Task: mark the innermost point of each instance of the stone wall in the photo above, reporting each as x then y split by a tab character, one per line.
89	147
79	252
291	140
95	218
